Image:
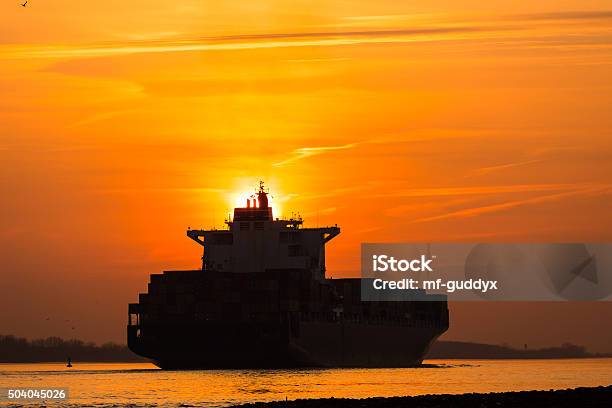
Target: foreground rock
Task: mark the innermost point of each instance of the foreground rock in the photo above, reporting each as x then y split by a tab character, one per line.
578	397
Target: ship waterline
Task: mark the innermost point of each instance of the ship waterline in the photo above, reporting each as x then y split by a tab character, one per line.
262	300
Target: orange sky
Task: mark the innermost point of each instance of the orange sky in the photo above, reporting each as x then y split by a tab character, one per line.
122	123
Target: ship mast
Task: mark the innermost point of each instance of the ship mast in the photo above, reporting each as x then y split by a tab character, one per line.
262	196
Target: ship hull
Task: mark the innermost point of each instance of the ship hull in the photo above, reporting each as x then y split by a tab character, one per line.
334	344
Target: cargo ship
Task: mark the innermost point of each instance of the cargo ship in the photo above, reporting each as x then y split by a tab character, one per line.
262	300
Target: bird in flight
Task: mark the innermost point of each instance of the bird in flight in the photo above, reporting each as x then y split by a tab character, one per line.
25	4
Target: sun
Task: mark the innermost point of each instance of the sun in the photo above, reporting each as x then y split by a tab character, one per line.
246	192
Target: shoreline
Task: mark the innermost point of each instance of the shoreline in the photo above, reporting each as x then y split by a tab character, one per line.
588	397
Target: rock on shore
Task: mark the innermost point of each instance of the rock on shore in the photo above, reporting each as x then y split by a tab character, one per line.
579	397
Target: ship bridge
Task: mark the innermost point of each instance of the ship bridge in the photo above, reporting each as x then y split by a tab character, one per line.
256	242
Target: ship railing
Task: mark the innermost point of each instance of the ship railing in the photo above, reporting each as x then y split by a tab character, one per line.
419	321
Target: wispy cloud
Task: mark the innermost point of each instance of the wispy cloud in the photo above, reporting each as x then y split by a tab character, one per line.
158	190
246	41
438	18
369	18
424	27
475	211
350	33
414	136
477	190
486	170
304	152
319	60
566	15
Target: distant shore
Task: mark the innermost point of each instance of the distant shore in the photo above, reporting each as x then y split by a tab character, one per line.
595	397
53	349
457	350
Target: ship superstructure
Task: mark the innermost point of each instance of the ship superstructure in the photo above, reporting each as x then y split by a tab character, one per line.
256	242
261	299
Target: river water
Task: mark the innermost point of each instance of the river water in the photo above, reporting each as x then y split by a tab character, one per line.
104	384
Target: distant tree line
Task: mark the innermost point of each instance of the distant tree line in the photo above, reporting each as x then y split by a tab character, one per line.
20	350
52	349
459	350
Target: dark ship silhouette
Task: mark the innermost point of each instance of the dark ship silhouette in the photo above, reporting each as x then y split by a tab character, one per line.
262	300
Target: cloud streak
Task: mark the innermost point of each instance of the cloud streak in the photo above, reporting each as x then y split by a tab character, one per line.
434	28
486	170
475	211
246	41
477	190
158	190
305	152
566	15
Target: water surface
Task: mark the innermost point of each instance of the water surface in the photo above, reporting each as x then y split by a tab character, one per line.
104	384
